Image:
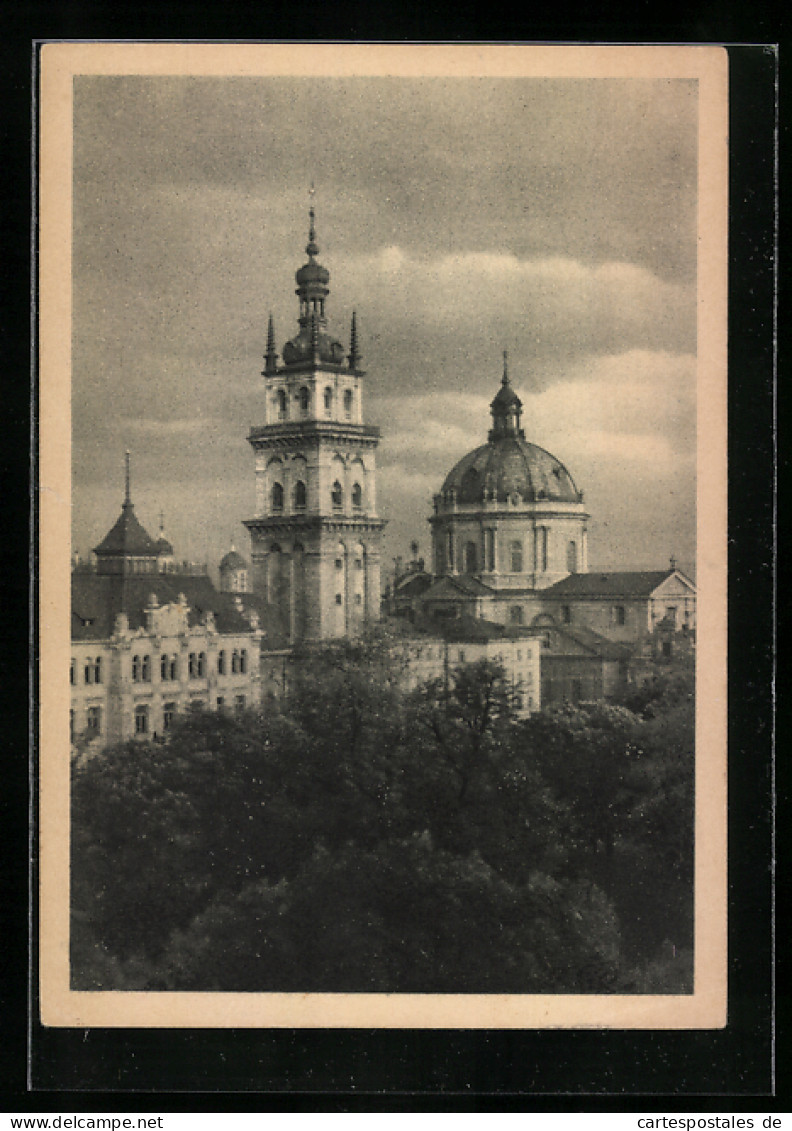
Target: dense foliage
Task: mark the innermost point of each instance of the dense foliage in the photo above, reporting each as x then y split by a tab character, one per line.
364	837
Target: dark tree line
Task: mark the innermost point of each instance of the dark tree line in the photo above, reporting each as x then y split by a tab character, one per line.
364	837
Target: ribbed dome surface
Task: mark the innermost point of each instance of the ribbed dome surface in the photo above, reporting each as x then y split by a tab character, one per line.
509	465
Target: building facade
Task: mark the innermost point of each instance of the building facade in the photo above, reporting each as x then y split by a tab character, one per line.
150	641
316	534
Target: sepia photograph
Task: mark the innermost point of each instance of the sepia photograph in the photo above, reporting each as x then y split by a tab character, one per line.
383	552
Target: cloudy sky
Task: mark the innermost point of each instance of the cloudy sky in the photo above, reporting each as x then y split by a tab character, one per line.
553	218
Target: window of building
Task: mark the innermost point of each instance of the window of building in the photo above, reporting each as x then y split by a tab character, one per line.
358	563
450	550
461	655
471	557
145	669
619	614
73	672
94	720
71	725
516	614
220	702
348	404
235	662
358	599
239	702
572	560
667	649
328	401
163	667
300	496
566	614
135	669
243	661
192	665
339	599
489	549
546	640
221	662
277	497
542	536
337	496
516	557
141	719
357	496
201	667
304	397
168	711
577	690
174	667
282	407
339	563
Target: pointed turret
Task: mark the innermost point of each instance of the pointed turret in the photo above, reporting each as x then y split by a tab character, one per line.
354	352
270	357
127	547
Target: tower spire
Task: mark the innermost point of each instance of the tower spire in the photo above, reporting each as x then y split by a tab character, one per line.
506	408
505	377
270	357
354	352
127	477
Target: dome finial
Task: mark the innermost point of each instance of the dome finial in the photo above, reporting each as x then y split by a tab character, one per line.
505	377
127	481
311	247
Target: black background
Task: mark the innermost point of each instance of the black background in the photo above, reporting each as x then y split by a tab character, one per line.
726	1071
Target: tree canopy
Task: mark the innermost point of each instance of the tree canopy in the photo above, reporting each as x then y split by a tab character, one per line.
363	836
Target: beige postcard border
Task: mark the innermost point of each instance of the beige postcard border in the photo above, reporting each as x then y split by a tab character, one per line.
707	1006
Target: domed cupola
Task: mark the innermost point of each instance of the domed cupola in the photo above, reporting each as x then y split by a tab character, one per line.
508	469
506	408
313	343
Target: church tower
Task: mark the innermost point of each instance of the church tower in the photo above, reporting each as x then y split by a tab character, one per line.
315	538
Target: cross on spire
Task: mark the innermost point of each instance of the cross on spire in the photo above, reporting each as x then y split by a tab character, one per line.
127	478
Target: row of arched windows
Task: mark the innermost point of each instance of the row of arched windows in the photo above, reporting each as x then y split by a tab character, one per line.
304	402
92	670
516	561
299	497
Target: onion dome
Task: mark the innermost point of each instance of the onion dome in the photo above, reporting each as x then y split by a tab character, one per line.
233	560
313	343
508	468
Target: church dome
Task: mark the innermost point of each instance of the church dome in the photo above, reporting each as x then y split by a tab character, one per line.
233	560
509	465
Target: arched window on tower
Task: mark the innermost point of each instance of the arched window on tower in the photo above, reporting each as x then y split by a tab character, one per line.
357	496
516	557
305	400
281	402
572	557
300	497
277	497
348	404
471	557
328	401
337	496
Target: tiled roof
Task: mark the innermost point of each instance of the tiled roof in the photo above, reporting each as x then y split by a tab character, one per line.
595	642
630	584
127	536
462	629
98	598
458	583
